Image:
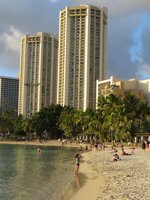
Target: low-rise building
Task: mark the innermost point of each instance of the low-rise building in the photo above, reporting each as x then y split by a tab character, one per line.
140	88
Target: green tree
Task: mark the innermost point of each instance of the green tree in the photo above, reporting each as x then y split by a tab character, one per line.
28	127
46	121
137	112
67	123
122	116
108	107
8	117
18	126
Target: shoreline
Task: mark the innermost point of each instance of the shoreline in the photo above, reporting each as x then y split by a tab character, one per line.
94	182
102	179
87	181
125	179
35	143
128	178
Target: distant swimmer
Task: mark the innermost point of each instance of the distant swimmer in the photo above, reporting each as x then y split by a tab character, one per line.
38	149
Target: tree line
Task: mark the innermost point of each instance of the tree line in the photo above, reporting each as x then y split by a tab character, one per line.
116	118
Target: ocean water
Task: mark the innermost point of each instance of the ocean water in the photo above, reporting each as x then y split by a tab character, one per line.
26	174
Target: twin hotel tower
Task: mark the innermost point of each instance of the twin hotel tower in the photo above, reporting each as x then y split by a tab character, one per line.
67	69
63	69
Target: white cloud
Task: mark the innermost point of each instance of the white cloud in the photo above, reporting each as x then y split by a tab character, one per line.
145	68
11	39
143	71
53	1
137	49
119	6
124	18
9	51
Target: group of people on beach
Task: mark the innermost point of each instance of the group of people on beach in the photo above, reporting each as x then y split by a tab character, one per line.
114	150
123	153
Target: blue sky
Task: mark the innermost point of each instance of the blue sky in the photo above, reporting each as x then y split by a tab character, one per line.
128	32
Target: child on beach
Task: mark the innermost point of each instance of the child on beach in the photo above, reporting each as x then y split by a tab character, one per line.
77	163
116	157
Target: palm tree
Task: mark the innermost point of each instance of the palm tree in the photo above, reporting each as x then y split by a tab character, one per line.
66	122
109	108
135	109
18	125
28	126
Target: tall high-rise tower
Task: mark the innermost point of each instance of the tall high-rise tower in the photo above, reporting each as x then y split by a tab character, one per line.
82	55
38	72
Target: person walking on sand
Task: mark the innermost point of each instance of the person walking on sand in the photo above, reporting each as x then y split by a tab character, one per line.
77	163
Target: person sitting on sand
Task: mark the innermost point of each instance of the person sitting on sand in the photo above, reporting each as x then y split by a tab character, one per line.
77	163
123	153
116	157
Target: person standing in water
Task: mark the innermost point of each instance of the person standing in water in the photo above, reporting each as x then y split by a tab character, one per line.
77	163
38	150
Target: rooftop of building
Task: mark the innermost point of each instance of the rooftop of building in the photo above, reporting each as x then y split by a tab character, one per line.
117	79
6	77
55	35
84	5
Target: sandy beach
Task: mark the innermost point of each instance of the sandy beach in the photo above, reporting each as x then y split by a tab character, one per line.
102	179
126	179
94	181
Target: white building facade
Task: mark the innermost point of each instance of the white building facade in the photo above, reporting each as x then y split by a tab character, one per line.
82	55
38	72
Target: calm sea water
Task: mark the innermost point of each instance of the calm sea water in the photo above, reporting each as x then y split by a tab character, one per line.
26	174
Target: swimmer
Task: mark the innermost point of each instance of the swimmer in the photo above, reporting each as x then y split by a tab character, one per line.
38	149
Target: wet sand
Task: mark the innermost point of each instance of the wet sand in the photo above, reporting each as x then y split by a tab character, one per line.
94	182
87	184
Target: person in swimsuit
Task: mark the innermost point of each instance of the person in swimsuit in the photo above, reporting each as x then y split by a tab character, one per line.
77	163
123	153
